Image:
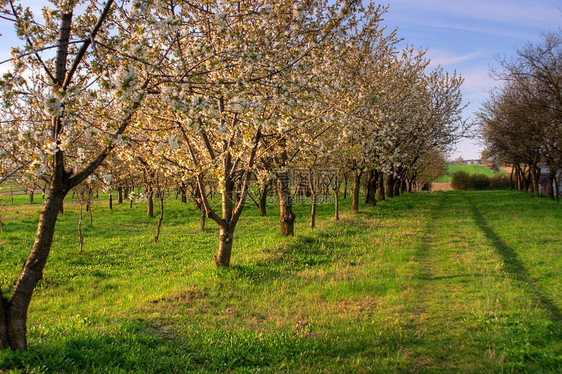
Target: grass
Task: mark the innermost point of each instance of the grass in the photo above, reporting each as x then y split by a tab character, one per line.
426	282
470	169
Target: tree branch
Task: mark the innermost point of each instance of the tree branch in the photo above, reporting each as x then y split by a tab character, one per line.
86	44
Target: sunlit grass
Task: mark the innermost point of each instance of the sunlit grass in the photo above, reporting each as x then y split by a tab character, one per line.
440	282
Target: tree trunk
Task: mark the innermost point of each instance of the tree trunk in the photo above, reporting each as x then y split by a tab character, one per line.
120	195
522	183
197	200
150	203
380	187
345	186
325	193
31	196
534	181
13	332
226	231
202	220
356	176
263	199
549	187
313	190
222	259
161	218
4	341
390	186
528	180
237	192
110	201
126	193
402	186
371	188
397	183
287	216
183	191
337	204
313	211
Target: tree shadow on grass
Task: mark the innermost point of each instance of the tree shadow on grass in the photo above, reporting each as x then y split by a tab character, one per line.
513	265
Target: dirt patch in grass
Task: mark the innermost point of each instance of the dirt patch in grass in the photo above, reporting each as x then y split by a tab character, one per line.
441	187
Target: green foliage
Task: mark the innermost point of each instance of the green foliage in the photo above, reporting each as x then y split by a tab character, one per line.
478	182
463	181
365	294
499	182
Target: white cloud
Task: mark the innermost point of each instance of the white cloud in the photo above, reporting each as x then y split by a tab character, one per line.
514	32
545	13
445	58
478	80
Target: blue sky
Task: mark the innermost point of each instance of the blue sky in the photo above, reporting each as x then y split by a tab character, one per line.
461	35
466	36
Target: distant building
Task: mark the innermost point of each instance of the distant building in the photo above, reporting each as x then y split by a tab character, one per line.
466	162
473	162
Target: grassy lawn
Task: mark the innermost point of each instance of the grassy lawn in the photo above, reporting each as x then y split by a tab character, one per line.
425	282
470	169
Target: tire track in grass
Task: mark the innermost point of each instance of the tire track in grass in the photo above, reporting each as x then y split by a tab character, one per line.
424	256
462	315
421	314
443	294
513	265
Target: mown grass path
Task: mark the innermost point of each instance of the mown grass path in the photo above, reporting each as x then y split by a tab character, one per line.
473	295
427	282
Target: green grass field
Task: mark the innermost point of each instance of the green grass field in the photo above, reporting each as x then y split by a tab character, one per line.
425	282
470	169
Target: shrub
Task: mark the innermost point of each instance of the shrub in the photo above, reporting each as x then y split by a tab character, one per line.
479	182
499	182
460	180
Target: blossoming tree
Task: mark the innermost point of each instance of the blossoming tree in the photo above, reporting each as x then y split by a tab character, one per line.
66	103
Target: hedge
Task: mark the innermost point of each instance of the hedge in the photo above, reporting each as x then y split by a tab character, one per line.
463	181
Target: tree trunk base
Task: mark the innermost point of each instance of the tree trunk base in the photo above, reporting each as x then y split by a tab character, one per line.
222	258
288	224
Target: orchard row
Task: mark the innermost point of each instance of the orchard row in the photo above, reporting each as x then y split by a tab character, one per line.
218	93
